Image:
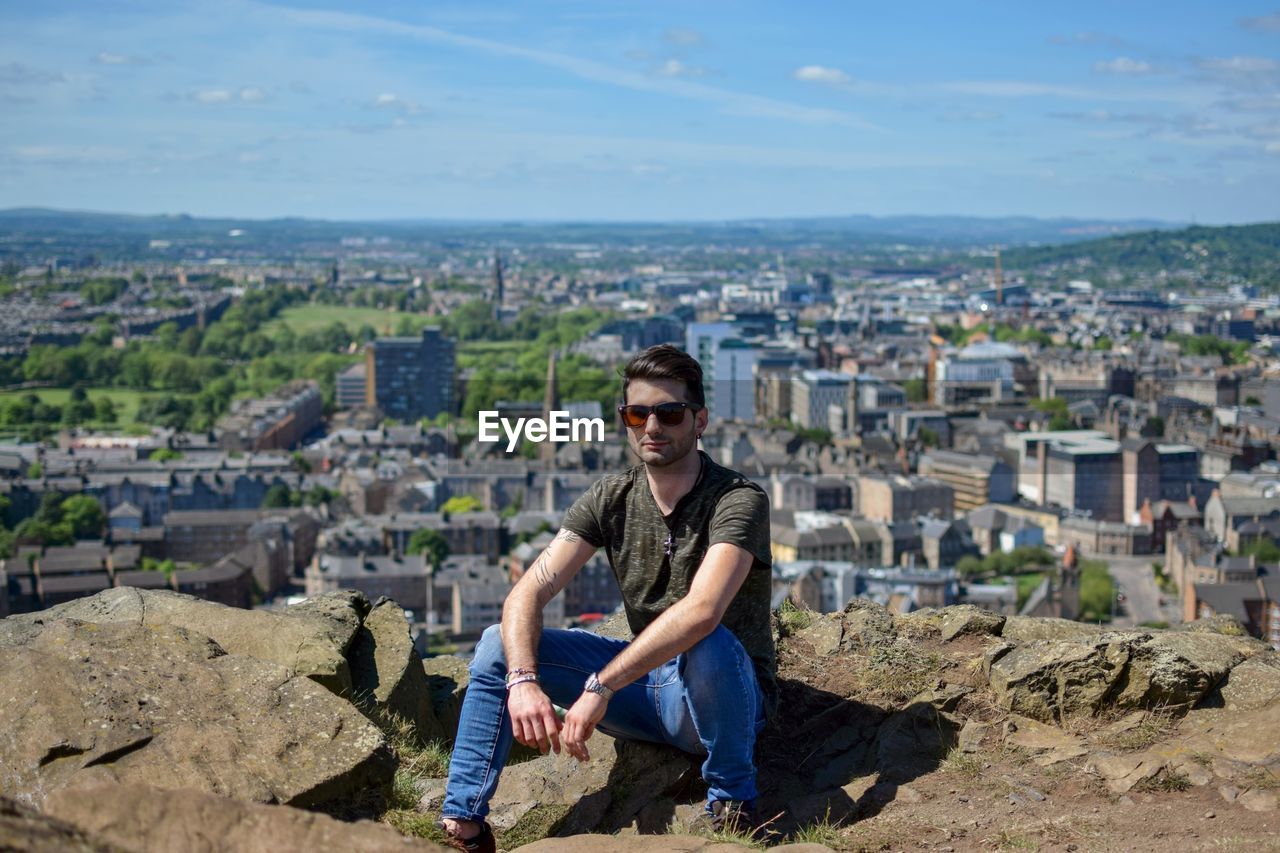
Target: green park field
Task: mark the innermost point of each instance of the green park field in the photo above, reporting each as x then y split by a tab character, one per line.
127	401
310	318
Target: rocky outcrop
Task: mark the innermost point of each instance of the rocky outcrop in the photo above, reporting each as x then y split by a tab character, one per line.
1053	679
142	818
25	830
387	674
127	702
311	639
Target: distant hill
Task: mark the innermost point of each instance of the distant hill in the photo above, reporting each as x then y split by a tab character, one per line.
834	231
1247	252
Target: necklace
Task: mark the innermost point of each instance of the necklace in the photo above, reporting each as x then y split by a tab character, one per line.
669	546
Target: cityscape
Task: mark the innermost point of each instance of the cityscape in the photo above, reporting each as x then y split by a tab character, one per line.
314	319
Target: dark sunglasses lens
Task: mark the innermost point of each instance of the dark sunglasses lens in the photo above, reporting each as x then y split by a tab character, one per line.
634	416
670	414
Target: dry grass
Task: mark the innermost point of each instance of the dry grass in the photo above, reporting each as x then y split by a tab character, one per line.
793	619
1259	779
898	671
1167	782
1155	726
962	763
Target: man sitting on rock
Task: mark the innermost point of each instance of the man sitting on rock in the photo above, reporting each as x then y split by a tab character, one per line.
689	543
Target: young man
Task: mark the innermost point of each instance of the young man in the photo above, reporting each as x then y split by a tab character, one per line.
689	543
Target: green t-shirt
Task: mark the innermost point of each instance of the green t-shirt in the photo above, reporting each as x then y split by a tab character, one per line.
655	557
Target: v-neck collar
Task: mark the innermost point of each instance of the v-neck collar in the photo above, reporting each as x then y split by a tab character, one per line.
675	510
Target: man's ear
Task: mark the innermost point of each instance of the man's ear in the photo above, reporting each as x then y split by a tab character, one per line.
700	422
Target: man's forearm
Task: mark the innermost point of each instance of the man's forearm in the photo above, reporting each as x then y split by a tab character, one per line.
677	630
521	630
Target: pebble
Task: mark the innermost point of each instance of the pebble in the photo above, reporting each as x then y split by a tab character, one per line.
1209	815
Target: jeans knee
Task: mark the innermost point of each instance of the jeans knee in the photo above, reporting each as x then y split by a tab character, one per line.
712	655
489	651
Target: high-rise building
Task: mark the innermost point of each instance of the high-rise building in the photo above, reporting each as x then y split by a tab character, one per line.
733	381
411	378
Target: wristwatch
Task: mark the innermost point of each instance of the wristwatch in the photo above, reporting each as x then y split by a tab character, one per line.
594	685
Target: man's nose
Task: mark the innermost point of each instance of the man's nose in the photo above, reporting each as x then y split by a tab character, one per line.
651	424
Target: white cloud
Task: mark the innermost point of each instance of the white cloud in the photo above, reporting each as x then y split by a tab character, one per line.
1240	65
1266	23
732	103
683	37
389	101
1124	65
821	74
676	68
108	58
247	94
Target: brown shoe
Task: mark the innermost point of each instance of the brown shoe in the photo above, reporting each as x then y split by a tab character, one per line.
482	843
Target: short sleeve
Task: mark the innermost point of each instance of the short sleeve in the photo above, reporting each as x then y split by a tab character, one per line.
741	518
583	518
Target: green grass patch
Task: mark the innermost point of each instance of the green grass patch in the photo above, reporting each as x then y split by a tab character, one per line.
126	400
537	823
311	318
1027	584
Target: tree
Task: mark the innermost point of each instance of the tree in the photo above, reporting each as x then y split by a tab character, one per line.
277	497
928	437
84	515
431	544
461	503
917	390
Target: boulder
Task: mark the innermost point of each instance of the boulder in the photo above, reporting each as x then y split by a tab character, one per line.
25	830
387	677
824	633
1047	680
143	818
913	742
311	641
447	680
968	619
1174	670
866	624
1253	684
1220	623
1027	628
82	703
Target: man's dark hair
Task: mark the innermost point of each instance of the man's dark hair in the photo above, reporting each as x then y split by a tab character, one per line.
666	362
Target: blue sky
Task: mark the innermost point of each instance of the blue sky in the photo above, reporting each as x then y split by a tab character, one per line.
609	110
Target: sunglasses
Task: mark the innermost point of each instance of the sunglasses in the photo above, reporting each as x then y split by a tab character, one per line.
669	414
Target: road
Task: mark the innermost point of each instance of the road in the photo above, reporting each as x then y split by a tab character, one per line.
1138	584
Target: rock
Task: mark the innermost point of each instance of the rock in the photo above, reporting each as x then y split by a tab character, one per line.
1258	800
140	817
447	680
944	697
1127	723
1047	680
866	623
387	677
1032	734
1122	772
133	702
971	735
1253	684
602	795
925	622
310	642
824	634
25	830
965	619
1220	623
1228	792
1174	670
1234	740
1023	629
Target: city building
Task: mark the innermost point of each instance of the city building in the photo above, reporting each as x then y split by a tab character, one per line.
411	378
278	421
976	479
820	399
352	389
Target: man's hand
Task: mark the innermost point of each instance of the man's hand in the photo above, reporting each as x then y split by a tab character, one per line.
580	723
533	719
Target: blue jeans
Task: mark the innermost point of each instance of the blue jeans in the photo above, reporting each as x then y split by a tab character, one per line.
706	701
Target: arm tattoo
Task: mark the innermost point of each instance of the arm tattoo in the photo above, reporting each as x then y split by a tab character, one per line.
568	535
542	575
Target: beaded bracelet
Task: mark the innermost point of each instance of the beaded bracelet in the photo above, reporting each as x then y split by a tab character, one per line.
521	680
